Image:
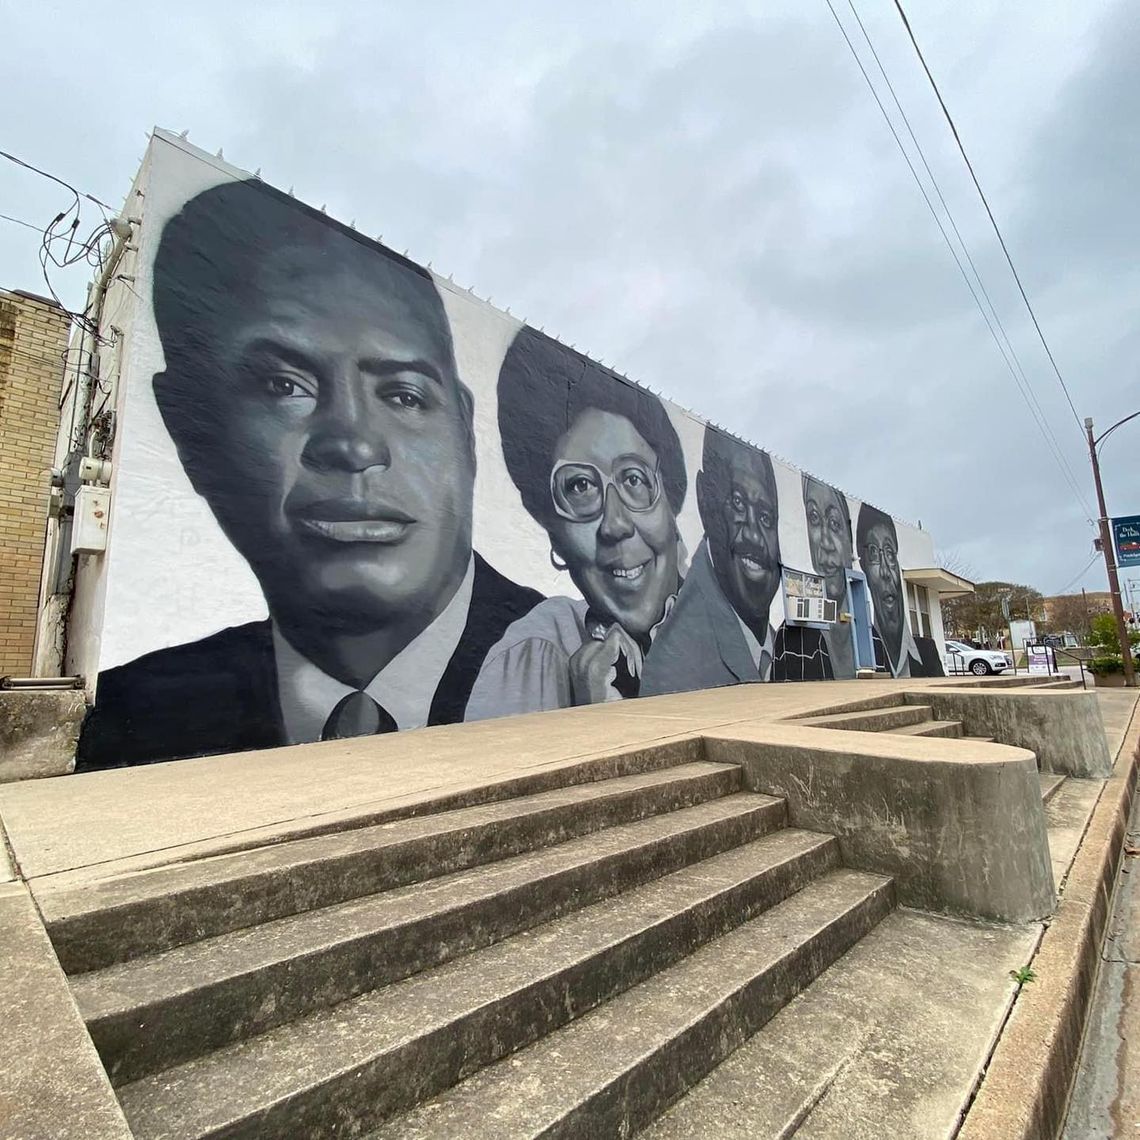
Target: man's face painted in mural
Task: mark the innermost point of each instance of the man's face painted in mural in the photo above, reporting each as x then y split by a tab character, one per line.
879	558
739	511
331	437
829	536
612	523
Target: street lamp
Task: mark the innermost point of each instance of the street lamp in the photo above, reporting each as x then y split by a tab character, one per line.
1107	547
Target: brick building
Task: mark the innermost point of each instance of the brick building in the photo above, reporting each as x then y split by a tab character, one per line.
33	342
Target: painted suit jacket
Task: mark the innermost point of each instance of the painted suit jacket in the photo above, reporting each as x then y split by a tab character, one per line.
220	694
702	646
928	664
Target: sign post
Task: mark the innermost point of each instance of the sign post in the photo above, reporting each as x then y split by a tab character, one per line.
1107	548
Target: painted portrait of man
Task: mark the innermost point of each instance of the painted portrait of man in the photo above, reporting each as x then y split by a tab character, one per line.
311	390
876	541
720	630
830	543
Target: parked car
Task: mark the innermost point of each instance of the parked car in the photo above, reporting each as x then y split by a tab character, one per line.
962	658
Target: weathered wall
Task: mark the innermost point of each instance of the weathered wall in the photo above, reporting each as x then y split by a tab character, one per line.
351	497
38	731
33	339
960	827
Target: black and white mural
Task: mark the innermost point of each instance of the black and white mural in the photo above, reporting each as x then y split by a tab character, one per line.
350	498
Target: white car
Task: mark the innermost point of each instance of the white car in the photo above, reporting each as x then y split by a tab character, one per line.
962	658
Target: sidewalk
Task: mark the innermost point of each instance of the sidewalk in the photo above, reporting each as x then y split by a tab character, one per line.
1106	1095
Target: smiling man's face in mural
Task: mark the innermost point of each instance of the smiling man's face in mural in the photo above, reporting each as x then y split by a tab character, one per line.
736	496
879	557
829	535
328	431
613	524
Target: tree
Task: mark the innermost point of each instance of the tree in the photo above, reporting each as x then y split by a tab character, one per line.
1073	613
980	615
1104	636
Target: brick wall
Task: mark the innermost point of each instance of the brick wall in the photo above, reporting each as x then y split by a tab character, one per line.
33	339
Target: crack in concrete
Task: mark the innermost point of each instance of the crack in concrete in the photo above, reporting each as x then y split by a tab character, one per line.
825	1086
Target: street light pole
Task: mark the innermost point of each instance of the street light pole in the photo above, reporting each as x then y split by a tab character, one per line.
1109	556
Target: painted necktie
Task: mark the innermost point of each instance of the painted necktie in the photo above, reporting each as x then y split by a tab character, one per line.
357	715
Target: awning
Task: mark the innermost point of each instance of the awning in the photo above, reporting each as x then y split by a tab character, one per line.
943	582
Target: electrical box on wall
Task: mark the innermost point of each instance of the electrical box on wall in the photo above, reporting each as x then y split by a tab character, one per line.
89	526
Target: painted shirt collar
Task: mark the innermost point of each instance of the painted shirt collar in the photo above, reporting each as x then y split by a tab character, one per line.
405	687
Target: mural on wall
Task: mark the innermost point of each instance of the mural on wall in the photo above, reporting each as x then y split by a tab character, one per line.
829	538
721	632
876	540
600	469
306	380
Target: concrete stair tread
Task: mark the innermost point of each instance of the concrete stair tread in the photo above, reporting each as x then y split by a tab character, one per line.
1050	784
1067	814
107	921
884	719
888	1042
620	1064
209	993
950	728
389	1048
980	739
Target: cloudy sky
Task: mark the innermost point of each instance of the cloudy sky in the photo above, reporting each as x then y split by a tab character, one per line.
705	196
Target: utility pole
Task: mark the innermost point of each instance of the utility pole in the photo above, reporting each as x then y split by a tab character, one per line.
1110	560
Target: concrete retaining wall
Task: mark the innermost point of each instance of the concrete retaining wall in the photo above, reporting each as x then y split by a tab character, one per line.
1064	729
960	826
38	732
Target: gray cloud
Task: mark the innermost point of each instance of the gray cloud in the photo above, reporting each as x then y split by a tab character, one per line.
706	198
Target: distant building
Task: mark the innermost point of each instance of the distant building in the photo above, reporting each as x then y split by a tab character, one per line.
33	343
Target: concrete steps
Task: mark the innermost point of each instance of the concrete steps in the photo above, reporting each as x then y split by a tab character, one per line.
612	941
113	921
355	1064
1050	785
613	1071
944	728
204	995
888	1043
889	719
901	720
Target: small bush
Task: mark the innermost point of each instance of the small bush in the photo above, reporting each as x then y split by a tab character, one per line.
1102	666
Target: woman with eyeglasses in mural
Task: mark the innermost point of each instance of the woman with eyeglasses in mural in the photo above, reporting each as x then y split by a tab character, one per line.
600	468
829	539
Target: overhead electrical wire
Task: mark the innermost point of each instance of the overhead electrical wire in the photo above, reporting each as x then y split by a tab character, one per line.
54	178
1042	426
966	250
989	213
61	232
20	222
1077	577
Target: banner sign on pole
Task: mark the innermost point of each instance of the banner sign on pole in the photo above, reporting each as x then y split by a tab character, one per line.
1126	537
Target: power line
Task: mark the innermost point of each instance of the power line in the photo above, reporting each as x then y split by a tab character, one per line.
965	248
20	222
54	178
1077	577
1045	432
989	212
